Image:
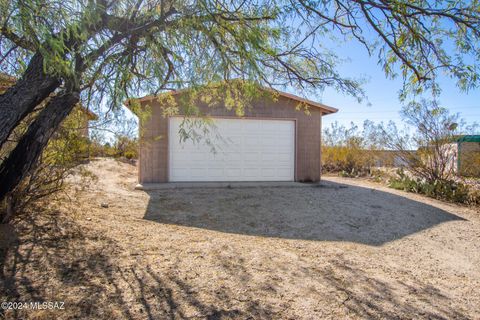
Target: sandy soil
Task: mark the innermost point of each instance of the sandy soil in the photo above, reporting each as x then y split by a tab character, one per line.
344	249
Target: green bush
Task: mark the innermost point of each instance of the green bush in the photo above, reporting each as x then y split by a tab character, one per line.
125	147
447	190
130	154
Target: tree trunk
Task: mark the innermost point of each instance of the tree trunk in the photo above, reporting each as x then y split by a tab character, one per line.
32	143
27	93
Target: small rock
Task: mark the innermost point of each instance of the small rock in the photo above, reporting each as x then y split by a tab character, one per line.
89	219
104	205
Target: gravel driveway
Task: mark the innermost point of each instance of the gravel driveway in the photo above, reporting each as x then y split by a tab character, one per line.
345	249
331	211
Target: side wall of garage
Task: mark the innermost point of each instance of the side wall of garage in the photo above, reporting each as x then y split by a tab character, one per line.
153	161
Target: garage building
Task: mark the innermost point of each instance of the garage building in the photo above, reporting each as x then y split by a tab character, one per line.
274	140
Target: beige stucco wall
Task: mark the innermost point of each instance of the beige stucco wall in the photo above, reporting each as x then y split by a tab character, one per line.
153	161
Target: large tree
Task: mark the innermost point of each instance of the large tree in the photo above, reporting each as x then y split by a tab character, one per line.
103	51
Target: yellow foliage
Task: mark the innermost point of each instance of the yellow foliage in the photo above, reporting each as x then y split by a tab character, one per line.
349	160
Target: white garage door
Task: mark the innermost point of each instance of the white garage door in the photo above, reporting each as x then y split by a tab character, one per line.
240	150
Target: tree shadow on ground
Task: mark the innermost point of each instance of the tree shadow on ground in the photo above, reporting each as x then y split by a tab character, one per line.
327	212
342	289
51	258
373	297
55	259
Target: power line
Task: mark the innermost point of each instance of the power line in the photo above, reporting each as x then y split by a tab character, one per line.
343	114
381	111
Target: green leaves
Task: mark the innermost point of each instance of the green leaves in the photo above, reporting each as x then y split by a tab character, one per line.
119	49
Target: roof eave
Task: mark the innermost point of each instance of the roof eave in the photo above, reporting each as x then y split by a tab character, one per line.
92	116
324	108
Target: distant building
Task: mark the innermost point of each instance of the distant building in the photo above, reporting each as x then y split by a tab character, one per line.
467	160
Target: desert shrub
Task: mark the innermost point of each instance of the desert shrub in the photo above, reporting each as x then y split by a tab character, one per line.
347	151
125	147
97	149
130	155
346	160
381	175
426	150
447	190
66	150
470	164
102	149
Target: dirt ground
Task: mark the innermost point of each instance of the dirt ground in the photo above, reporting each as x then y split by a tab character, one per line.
345	249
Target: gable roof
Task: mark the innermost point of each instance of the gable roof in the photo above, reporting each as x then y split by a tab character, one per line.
6	81
325	109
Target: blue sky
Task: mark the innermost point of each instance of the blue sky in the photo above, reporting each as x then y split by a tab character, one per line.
384	104
383	93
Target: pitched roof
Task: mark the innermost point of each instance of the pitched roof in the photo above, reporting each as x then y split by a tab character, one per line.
325	109
90	114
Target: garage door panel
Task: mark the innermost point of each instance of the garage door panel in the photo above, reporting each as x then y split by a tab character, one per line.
197	156
254	148
250	127
245	150
213	156
251	172
216	172
284	172
283	156
233	156
217	163
232	125
250	140
232	141
270	141
268	172
198	172
269	157
283	149
271	126
251	156
175	172
233	172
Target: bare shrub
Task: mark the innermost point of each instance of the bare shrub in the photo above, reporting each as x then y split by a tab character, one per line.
431	169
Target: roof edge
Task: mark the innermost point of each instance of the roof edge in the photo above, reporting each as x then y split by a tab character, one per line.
325	109
90	114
